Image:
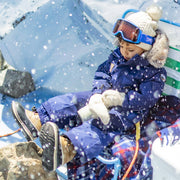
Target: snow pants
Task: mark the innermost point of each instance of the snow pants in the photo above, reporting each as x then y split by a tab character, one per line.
89	138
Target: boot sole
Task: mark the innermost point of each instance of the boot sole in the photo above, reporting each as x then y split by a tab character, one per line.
50	145
27	133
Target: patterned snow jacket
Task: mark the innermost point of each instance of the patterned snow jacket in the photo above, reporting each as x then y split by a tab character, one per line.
141	81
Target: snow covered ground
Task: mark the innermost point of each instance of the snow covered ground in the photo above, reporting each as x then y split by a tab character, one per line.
61	42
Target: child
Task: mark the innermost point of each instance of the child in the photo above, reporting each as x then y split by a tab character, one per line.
125	87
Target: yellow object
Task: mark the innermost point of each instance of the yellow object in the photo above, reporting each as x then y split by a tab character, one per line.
138	133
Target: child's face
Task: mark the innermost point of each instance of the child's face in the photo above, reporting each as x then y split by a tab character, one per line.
128	50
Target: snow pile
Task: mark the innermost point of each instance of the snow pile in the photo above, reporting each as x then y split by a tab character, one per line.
59	40
165	159
61	45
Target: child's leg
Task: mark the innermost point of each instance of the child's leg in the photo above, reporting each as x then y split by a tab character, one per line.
85	141
89	141
61	110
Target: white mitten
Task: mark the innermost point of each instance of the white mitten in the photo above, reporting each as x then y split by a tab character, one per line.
95	109
85	113
98	108
113	98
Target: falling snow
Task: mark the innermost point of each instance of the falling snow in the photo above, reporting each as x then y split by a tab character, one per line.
63	56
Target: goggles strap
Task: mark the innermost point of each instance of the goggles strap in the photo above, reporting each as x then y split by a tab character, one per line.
147	39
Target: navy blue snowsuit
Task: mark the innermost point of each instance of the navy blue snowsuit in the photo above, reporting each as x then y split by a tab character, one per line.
142	84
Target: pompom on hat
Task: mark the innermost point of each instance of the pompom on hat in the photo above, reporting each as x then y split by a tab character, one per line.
147	21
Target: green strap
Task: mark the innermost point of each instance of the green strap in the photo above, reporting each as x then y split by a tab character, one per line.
173	64
173	82
174	48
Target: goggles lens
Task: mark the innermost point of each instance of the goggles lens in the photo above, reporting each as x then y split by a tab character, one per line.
131	33
127	30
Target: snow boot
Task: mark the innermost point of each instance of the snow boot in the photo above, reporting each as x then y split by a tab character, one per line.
29	121
57	150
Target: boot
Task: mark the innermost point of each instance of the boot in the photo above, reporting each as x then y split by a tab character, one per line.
29	121
57	150
67	148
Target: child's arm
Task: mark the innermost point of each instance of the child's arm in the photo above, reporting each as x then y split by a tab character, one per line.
102	77
95	108
149	92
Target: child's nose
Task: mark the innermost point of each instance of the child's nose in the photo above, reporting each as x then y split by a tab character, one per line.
126	52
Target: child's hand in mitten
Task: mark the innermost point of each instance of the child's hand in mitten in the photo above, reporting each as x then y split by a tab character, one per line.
113	98
95	109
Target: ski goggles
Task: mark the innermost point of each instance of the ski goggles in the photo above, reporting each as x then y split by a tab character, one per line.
131	33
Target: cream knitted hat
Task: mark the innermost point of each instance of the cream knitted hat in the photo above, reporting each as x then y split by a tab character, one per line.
147	21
